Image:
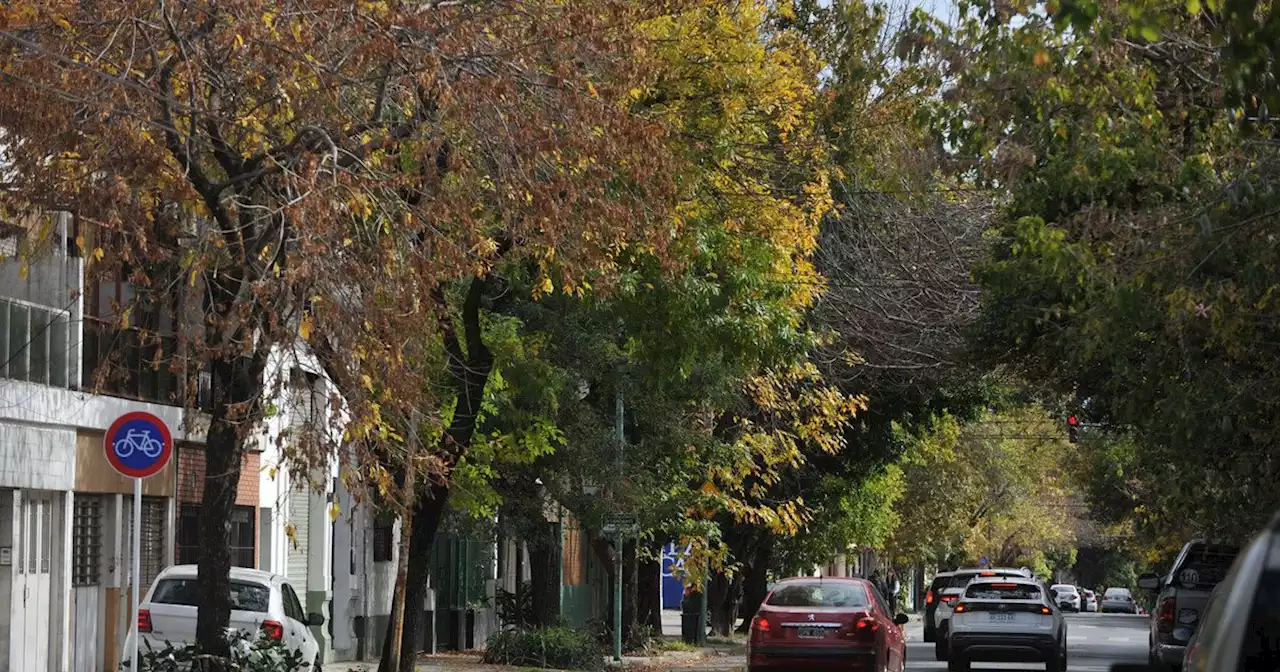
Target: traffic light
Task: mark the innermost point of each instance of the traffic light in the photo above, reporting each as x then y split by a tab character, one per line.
1073	429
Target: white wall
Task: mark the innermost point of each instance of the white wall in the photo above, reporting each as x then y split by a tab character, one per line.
34	404
38	458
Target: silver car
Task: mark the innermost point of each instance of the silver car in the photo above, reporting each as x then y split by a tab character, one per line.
1118	601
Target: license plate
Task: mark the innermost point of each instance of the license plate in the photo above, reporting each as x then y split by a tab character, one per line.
1001	618
812	633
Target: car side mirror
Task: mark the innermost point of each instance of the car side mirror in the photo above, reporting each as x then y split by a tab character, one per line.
1149	582
315	620
901	619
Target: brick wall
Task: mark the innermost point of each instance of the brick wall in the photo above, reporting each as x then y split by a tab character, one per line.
191	476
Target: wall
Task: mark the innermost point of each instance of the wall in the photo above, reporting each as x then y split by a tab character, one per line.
191	476
6	574
38	458
43	405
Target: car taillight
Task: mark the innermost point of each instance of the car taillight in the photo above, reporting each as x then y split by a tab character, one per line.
950	599
761	624
928	597
1166	614
961	608
1046	610
865	629
273	629
144	620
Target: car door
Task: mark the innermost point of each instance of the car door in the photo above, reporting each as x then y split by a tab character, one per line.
297	632
893	639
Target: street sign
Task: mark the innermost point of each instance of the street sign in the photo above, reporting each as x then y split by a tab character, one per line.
615	523
137	445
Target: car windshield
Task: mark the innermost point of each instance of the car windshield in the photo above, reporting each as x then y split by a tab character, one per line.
820	595
1205	566
1002	591
244	596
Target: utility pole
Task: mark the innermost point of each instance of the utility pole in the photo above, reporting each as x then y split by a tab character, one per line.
617	551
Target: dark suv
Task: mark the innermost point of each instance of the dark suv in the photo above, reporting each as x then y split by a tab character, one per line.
1181	599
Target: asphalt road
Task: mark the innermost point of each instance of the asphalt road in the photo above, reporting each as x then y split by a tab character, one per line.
1094	643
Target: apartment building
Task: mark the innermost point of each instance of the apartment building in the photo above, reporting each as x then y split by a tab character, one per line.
66	373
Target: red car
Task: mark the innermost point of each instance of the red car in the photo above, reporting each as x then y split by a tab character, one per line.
829	623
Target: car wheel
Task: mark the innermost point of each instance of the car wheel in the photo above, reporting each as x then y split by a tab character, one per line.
958	665
940	649
1059	662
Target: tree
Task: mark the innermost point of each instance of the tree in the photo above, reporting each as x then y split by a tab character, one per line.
296	180
1131	269
997	488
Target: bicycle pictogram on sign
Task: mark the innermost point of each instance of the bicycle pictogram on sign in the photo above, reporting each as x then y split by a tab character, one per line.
138	444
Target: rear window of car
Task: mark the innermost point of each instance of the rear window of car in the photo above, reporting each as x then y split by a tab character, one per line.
962	579
1002	591
1065	589
1205	566
1116	593
244	596
940	582
820	595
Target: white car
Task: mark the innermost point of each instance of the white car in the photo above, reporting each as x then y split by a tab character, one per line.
1067	596
952	591
259	601
1006	619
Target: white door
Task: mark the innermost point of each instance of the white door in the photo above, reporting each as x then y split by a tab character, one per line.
33	571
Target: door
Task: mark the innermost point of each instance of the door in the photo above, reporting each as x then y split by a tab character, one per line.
298	548
33	585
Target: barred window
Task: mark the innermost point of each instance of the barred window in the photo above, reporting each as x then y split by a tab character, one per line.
86	540
383	536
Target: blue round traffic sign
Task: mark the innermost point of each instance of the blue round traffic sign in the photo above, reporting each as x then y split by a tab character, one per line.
138	444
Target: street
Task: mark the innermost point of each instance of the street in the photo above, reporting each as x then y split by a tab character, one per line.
1095	642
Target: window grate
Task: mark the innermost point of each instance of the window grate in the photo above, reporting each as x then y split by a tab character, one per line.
86	541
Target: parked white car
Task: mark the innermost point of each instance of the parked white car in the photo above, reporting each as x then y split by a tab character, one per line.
259	601
1067	596
1006	619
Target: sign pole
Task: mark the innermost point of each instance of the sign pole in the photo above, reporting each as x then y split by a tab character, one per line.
617	598
137	566
137	445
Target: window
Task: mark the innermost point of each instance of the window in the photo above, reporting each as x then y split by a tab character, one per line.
830	594
384	525
138	362
86	541
241	539
245	596
1003	591
35	344
1205	566
292	606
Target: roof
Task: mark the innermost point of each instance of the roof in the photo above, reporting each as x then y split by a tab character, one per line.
241	573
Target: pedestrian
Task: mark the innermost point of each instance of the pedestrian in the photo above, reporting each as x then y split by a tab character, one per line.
895	591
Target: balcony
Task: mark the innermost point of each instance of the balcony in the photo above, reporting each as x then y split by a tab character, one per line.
133	364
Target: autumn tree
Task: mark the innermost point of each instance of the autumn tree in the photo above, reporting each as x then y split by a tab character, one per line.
999	488
1131	267
344	173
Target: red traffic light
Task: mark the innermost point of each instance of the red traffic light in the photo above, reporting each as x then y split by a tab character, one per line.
1073	420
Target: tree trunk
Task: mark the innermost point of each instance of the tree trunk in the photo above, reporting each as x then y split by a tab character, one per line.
470	371
426	522
717	603
544	575
395	630
632	637
755	584
237	384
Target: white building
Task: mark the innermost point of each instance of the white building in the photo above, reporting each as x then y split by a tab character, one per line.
65	514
